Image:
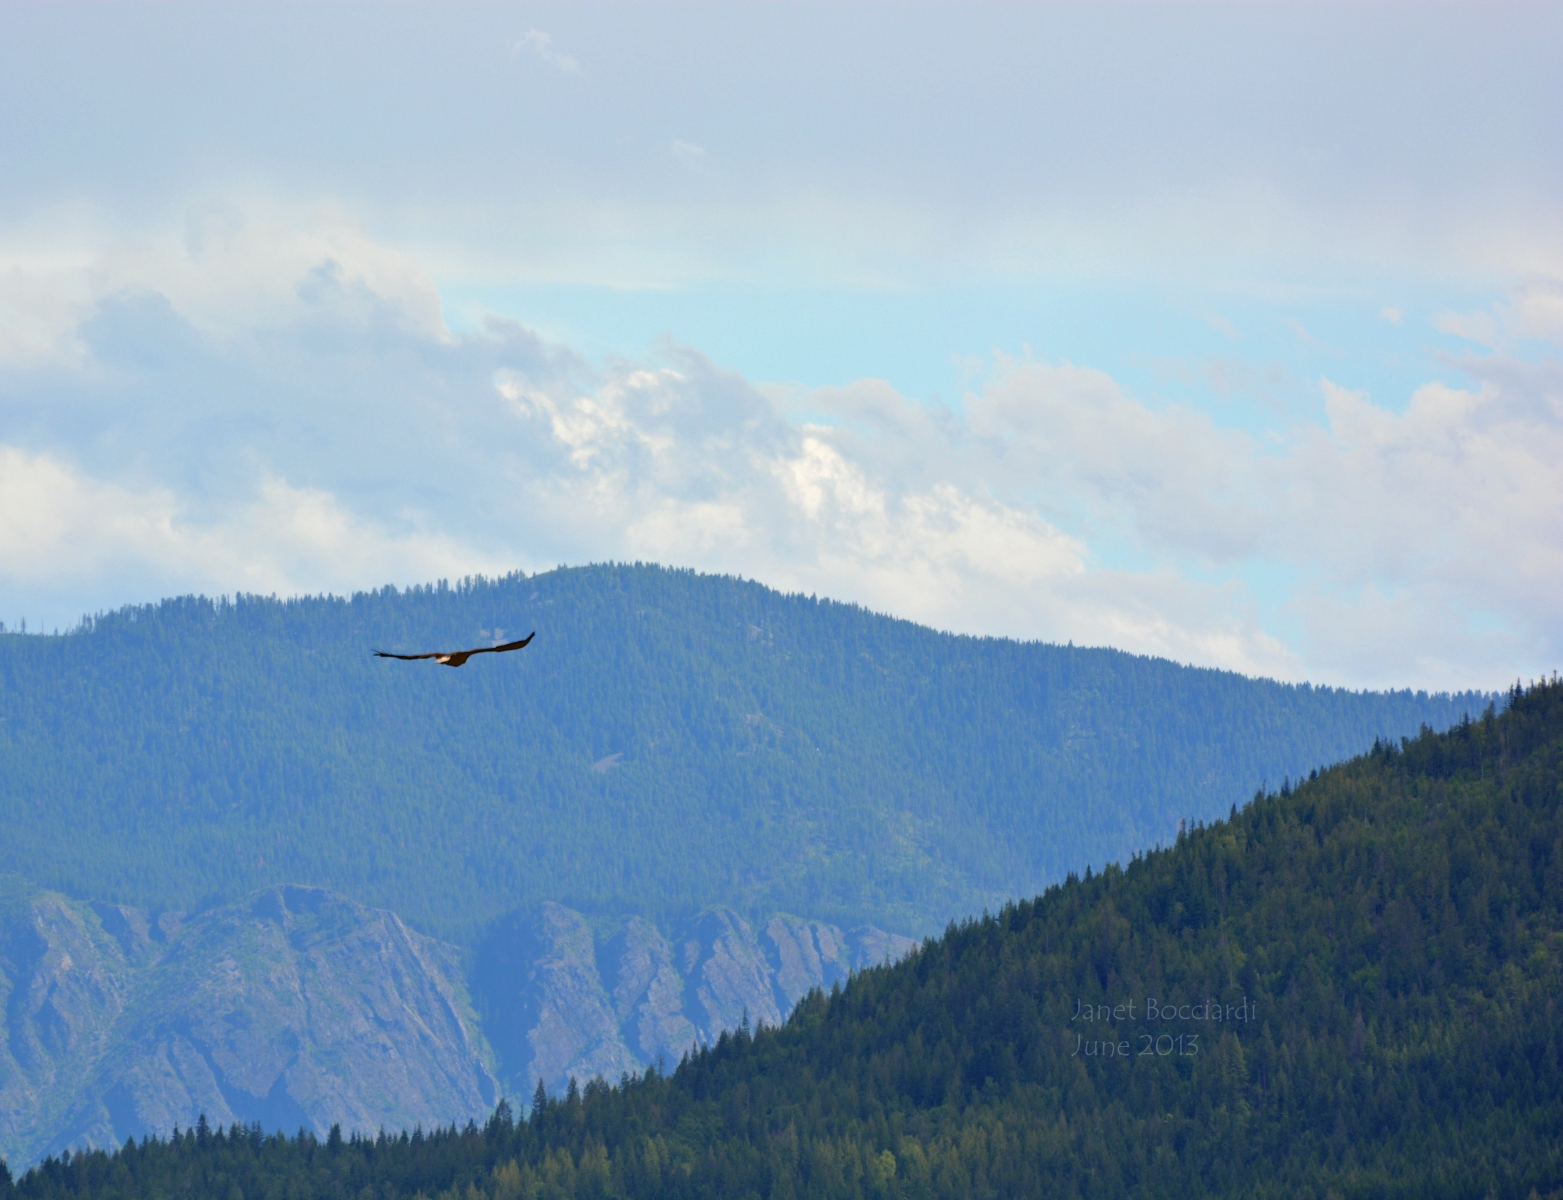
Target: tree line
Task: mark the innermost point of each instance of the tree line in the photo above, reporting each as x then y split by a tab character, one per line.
1362	972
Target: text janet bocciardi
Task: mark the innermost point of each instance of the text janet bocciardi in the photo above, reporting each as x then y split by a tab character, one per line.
1154	1010
1156	1044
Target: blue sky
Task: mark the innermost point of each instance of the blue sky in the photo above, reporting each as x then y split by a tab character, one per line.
1224	332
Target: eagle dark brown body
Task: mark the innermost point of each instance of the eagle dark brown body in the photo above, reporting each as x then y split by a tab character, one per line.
454	658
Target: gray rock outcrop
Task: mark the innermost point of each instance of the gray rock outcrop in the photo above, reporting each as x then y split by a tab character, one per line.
295	1007
728	974
561	1003
648	993
299	1008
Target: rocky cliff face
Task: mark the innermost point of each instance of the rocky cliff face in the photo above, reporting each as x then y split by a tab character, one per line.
297	1007
64	983
562	1002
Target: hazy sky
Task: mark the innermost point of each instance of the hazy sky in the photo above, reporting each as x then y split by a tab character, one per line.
1232	333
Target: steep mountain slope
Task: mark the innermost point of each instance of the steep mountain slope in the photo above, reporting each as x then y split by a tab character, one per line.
297	1008
669	742
1347	989
560	1003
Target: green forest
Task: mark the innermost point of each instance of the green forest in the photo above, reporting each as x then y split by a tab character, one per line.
669	741
1349	988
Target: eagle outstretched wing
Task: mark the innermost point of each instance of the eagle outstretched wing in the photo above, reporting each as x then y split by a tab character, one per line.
454	658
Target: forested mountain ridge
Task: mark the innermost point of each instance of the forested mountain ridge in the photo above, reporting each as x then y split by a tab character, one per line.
1363	974
670	741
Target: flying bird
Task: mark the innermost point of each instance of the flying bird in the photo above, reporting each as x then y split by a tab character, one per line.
454	658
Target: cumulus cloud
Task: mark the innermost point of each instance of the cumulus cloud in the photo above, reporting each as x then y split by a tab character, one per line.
1537	312
65	535
693	465
231	275
205	415
1533	312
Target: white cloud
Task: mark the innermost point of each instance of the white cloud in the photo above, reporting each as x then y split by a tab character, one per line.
231	274
1445	512
1534	311
1449	508
1309	340
217	415
945	517
62	532
1481	328
1415	632
1537	312
55	524
977	144
535	41
689	154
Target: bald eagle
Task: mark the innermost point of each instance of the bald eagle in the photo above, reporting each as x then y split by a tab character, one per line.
454	658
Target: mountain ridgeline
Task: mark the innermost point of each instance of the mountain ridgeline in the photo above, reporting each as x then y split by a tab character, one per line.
1349	988
670	741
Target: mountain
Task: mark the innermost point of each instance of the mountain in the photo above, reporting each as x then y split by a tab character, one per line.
668	743
560	1003
1349	988
299	1008
295	1008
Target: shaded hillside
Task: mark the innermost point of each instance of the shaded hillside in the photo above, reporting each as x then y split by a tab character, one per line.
669	741
1364	974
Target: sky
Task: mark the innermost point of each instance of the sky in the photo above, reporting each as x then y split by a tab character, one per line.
1230	333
